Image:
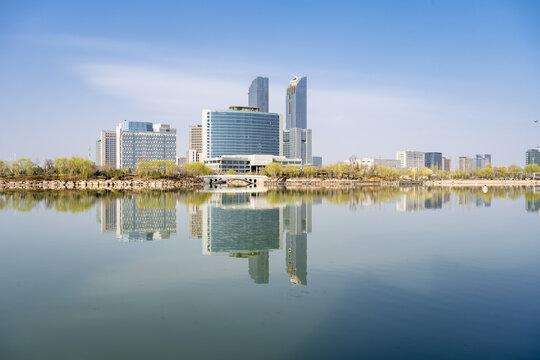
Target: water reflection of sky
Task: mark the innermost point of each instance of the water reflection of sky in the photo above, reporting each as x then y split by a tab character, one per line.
397	273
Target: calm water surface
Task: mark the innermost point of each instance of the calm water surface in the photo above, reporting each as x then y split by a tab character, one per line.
390	274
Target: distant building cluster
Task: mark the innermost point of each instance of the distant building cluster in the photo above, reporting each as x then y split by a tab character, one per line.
240	138
248	138
409	160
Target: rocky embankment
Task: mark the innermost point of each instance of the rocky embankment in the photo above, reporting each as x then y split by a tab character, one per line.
305	183
479	182
134	184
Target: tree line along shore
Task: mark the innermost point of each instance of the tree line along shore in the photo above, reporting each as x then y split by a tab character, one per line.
77	169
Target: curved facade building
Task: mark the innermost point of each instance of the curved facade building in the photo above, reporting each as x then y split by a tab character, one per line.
240	131
258	93
296	104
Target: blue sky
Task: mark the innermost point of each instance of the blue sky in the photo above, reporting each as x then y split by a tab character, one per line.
460	77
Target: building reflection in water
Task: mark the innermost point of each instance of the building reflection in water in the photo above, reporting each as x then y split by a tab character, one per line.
414	200
249	225
138	217
532	200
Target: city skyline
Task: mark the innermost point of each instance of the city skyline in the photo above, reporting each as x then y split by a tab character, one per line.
416	82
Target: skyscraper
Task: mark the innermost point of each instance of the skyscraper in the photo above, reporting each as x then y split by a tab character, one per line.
143	141
296	104
296	136
258	93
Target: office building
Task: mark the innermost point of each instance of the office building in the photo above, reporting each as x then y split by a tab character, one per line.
446	164
481	161
258	93
296	104
317	161
195	144
106	148
433	160
532	156
296	136
464	163
411	159
143	141
297	145
240	131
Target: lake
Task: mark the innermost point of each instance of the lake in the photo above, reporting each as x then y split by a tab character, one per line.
396	273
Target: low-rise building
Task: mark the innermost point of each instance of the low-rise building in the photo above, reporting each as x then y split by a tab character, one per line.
248	163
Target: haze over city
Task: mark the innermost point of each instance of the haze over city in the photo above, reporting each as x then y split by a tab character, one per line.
456	77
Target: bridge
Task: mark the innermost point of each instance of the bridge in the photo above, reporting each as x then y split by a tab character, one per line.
222	179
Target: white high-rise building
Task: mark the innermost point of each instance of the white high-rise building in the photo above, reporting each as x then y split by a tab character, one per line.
411	159
143	141
106	148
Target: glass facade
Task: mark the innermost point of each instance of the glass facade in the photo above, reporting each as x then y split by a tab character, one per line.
240	133
296	104
258	93
532	156
433	160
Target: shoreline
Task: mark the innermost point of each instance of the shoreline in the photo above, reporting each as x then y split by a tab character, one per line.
134	184
304	183
480	183
190	184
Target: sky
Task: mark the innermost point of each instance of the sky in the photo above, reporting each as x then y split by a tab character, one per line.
458	77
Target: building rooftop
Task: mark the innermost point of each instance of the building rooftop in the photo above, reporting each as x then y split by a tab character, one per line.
243	108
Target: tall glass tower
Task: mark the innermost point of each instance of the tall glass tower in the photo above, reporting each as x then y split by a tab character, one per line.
258	93
296	103
296	136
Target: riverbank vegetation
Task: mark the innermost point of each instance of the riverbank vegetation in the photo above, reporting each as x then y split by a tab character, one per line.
76	168
343	171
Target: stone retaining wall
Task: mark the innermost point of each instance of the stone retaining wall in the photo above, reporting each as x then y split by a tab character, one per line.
303	183
488	183
186	184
